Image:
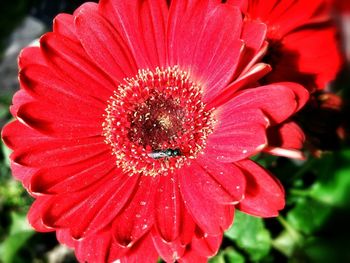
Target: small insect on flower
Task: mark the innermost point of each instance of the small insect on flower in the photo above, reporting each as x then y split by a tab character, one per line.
157	154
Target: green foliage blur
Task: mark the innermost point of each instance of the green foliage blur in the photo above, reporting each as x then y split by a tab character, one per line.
313	228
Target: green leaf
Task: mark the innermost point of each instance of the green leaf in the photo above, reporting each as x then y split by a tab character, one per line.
229	255
336	190
318	250
6	152
19	223
20	232
285	243
333	181
219	258
232	256
13	194
3	111
250	235
308	215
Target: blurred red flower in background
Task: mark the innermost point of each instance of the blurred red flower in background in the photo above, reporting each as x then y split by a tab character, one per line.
133	129
341	10
303	40
303	47
342	6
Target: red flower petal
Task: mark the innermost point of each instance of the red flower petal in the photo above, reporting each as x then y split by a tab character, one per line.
192	256
35	214
255	61
210	216
71	178
137	216
301	95
208	177
63	24
143	251
22	173
212	64
313	48
287	135
289	153
41	83
98	204
206	246
64	56
26	57
243	4
36	150
94	32
277	101
238	134
16	135
168	208
254	36
302	37
55	122
228	177
20	97
59	152
169	251
265	195
245	80
94	248
284	16
132	17
187	226
63	236
118	196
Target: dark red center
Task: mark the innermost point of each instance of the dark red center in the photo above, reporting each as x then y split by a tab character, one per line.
156	122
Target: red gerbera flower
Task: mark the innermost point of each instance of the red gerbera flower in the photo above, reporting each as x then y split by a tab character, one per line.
131	133
302	38
342	6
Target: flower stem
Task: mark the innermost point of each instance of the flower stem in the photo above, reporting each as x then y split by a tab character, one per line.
294	234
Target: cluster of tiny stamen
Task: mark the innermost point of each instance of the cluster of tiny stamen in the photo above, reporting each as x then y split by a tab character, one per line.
155	111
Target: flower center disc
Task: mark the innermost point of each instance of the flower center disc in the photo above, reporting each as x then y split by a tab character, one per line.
152	115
